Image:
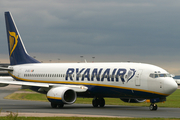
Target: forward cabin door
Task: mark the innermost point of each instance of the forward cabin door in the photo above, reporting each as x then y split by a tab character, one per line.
138	77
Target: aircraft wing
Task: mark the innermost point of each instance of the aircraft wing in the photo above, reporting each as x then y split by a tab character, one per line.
10	80
77	88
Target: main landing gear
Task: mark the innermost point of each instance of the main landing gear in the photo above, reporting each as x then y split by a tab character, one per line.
153	106
98	102
54	105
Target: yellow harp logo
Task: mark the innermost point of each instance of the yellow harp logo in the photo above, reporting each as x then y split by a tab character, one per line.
12	41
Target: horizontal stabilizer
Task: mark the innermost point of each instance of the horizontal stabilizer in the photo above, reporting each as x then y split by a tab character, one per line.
6	69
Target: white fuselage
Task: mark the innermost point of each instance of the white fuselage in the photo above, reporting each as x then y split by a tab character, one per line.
125	76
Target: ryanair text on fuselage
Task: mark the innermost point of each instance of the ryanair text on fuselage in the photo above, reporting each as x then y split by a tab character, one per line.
112	75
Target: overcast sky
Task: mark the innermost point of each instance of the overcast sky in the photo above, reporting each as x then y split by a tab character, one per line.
146	31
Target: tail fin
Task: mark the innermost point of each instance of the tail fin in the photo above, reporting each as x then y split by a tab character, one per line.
17	51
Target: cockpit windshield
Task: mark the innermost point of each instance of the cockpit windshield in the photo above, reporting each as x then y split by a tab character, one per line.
156	75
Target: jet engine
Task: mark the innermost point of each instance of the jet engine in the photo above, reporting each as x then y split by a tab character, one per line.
63	95
133	100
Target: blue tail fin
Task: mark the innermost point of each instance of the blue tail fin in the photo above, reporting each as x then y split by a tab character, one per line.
17	51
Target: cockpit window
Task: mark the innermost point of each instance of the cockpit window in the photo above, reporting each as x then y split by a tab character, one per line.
162	75
151	75
155	75
169	75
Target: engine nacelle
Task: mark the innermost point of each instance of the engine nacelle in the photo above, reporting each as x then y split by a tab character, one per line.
133	100
64	95
3	85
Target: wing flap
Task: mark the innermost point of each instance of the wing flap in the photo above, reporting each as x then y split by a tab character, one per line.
76	88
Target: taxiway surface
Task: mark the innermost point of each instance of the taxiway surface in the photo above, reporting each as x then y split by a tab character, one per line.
81	109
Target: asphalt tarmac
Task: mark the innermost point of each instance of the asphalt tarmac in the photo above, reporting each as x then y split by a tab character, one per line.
43	108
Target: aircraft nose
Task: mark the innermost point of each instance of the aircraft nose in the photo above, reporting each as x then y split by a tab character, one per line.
170	86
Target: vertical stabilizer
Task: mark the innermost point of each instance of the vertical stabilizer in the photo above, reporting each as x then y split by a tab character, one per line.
17	51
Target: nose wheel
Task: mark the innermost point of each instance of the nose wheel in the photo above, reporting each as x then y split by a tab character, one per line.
153	106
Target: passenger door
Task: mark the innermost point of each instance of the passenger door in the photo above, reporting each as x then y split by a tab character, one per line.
138	77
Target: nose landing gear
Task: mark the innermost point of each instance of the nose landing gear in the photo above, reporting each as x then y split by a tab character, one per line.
153	106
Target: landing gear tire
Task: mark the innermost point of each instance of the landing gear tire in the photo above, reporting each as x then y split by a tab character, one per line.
98	102
153	106
101	102
53	105
95	102
60	105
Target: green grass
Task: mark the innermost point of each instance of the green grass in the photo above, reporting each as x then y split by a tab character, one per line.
172	100
27	96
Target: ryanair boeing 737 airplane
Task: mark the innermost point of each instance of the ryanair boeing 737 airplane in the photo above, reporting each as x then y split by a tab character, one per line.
64	82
